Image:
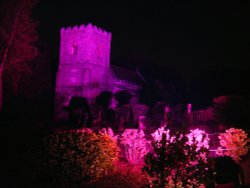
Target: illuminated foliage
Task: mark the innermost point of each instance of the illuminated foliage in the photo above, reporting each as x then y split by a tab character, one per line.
157	136
79	156
233	143
18	36
135	145
109	131
176	162
123	175
199	138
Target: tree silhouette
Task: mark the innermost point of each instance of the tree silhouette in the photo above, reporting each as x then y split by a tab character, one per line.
124	111
79	112
232	111
104	99
105	116
123	97
17	38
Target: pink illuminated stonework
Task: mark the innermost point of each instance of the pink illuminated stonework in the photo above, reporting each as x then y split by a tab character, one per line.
84	69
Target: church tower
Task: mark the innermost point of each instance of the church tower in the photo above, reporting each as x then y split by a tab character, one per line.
84	62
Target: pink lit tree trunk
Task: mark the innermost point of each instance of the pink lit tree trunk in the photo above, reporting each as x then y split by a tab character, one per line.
6	50
17	37
1	87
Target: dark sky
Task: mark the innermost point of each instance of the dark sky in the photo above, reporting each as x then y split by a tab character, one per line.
188	37
184	34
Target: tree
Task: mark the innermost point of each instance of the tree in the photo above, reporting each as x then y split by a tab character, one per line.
79	112
178	159
124	111
105	114
232	111
123	97
17	38
104	99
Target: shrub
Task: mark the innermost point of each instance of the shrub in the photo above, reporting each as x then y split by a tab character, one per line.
227	171
233	144
226	111
135	145
74	157
199	138
124	175
109	131
157	136
177	162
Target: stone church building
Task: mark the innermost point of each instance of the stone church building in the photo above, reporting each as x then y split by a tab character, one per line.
85	70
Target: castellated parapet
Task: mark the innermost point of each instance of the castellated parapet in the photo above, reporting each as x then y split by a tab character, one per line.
83	28
85	44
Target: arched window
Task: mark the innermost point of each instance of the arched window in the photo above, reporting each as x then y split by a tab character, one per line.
74	49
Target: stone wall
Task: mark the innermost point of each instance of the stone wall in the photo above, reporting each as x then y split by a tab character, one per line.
84	68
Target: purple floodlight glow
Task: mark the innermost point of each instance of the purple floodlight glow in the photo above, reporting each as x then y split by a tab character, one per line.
84	68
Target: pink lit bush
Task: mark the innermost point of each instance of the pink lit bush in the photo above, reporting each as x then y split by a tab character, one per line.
135	145
199	138
109	131
233	143
157	135
178	161
196	137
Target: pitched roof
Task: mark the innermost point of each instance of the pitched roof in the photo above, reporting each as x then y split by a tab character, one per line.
126	74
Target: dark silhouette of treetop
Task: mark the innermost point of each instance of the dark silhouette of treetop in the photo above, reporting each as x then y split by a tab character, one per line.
123	97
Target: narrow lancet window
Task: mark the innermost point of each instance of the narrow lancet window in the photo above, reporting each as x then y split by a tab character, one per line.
74	49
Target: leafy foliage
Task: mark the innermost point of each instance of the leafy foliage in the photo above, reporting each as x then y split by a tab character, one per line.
233	144
226	111
123	97
109	131
104	99
79	111
124	117
199	138
176	162
124	175
157	136
135	145
18	36
227	171
105	116
79	156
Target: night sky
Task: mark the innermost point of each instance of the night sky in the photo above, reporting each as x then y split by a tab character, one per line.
204	43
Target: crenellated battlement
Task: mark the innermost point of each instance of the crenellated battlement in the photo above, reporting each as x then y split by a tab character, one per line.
82	43
86	28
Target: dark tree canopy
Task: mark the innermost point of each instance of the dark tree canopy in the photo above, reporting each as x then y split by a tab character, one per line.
104	99
232	111
123	97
